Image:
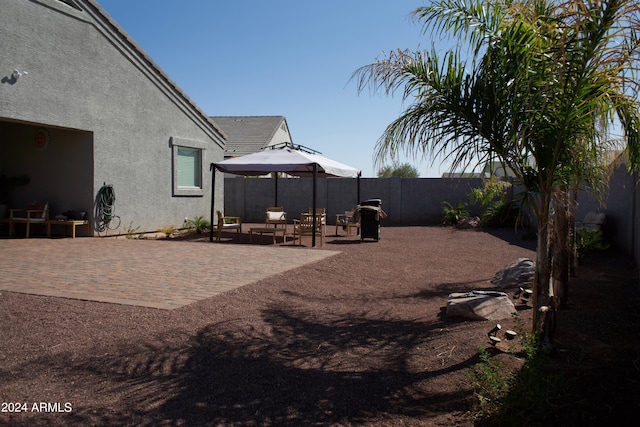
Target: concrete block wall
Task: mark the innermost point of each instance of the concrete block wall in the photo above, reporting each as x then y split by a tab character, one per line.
407	201
620	206
418	201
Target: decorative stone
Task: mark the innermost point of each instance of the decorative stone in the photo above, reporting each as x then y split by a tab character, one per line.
519	273
471	222
480	305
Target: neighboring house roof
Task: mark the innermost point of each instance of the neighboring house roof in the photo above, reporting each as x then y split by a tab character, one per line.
465	175
250	134
611	158
94	8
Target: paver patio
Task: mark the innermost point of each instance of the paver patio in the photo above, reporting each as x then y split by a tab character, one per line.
149	273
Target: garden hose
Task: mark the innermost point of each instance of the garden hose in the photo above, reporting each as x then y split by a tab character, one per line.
106	207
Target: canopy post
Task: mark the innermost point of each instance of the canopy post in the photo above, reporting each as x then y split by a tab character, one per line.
359	174
276	183
212	168
313	204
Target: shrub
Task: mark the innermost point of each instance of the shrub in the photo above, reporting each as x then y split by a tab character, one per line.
197	224
493	197
451	214
133	232
535	395
168	230
498	213
588	241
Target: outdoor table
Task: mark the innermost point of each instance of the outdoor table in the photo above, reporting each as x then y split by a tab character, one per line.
267	230
71	223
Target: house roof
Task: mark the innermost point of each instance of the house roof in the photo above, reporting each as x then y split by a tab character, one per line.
96	10
250	134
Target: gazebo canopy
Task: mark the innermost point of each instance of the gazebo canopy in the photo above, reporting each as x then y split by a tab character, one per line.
287	158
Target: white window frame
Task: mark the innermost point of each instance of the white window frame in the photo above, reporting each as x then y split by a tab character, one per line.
176	144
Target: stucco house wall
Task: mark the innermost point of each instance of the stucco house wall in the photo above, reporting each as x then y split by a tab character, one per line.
112	116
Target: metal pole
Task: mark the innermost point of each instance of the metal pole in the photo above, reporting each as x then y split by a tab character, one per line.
313	204
276	202
212	168
276	181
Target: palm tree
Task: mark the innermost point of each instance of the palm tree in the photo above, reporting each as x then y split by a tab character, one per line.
544	81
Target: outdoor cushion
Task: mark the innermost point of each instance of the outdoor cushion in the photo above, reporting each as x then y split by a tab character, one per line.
275	216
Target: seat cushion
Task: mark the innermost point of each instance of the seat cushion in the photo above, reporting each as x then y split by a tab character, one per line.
275	216
32	219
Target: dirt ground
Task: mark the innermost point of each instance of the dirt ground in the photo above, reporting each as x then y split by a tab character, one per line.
358	339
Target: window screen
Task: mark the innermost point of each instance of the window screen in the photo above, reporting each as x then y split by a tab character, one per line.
189	167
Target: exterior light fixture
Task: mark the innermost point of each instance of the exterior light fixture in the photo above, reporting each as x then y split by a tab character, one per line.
16	74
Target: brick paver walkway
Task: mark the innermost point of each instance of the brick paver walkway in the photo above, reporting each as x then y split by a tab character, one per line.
149	273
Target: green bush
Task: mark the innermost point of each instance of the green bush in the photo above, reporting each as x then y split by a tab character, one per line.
493	197
498	213
589	241
197	224
489	382
451	214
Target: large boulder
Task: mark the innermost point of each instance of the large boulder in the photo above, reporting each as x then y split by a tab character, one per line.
519	273
480	305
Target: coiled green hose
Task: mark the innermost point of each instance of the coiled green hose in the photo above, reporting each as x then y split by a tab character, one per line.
107	208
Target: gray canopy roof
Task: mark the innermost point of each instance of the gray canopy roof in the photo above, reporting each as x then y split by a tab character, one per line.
288	160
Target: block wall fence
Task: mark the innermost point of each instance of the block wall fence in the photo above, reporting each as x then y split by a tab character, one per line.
418	201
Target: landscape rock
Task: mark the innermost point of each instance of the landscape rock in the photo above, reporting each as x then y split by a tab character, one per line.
519	273
480	305
472	222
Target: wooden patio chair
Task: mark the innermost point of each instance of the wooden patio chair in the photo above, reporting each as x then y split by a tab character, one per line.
304	227
34	213
276	216
347	221
228	223
321	215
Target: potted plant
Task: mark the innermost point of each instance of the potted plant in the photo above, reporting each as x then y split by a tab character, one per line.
7	184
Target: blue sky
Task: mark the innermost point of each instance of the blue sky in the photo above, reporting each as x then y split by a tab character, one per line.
282	57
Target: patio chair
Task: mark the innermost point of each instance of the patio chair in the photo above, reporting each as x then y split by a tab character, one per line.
347	221
35	213
321	215
228	223
304	227
276	216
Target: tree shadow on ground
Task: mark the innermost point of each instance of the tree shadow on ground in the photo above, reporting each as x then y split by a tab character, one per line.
302	370
507	234
295	368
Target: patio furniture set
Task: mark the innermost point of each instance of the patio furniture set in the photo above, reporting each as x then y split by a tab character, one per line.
37	213
276	224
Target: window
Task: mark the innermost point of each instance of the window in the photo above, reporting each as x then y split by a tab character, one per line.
187	167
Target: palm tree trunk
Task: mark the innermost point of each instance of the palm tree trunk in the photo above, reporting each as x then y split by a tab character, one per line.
573	205
561	248
544	308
